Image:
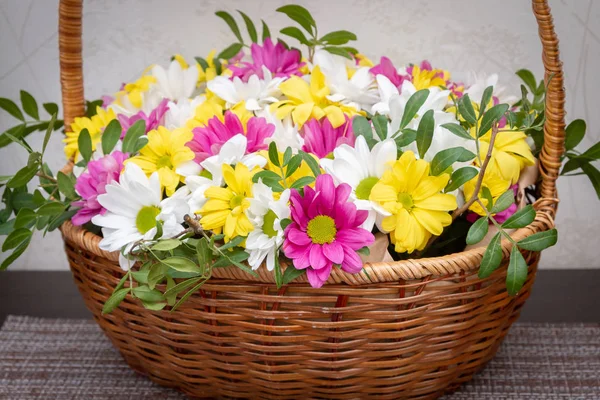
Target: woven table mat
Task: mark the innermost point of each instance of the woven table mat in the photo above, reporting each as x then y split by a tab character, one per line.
71	359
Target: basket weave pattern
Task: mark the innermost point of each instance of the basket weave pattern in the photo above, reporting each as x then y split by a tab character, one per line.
415	328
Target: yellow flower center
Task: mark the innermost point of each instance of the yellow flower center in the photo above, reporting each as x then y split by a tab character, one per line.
268	227
164	161
146	218
406	200
321	229
363	190
236	201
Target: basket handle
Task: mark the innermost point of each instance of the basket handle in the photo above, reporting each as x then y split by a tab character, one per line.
71	79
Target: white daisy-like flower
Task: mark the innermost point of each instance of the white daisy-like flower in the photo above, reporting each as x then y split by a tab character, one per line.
359	91
181	112
387	91
133	207
479	84
175	83
286	132
150	100
362	168
256	93
266	213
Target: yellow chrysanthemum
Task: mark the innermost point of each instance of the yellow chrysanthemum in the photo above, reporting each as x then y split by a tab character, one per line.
414	198
134	90
95	127
310	101
302	171
164	153
205	75
423	78
225	208
496	185
510	154
214	107
363	61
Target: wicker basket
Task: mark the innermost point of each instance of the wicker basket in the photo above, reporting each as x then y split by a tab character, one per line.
410	329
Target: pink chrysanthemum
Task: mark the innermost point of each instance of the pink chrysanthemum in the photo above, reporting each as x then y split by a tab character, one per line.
92	183
321	138
153	121
209	139
325	230
387	69
279	60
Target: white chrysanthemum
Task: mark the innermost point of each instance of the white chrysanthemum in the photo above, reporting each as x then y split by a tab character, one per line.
150	100
359	91
175	83
266	213
286	133
361	168
479	84
387	91
181	112
133	206
437	101
256	93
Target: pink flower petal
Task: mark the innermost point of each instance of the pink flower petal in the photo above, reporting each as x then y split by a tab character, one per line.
352	262
298	237
334	252
316	257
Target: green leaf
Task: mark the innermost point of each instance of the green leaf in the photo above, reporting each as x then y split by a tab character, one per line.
141	276
250	26
574	133
225	16
491	117
445	158
166	245
413	105
594	176
527	77
66	185
154	306
30	106
465	108
23	176
274	154
477	231
84	142
49	131
51	108
170	285
362	127
364	251
485	99
236	241
290	274
266	175
284	223
157	274
14	255
338	37
593	153
491	258
505	200
60	219
266	33
51	208
573	164
295	33
203	253
230	52
134	133
7	227
181	264
173	291
202	62
304	181
338	51
312	163
517	272
521	218
111	136
405	138
25	218
380	122
300	15
460	177
425	132
16	135
287	155
293	165
10	107
487	195
278	275
539	241
458	130
15	238
144	293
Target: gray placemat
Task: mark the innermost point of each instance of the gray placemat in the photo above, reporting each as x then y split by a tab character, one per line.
44	358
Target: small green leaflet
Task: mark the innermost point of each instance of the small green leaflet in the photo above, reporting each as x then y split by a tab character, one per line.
30	106
231	23
491	258
521	218
134	133
380	123
517	272
458	130
491	117
425	132
111	136
505	200
539	241
477	231
290	274
460	177
465	108
299	14
250	27
84	142
412	107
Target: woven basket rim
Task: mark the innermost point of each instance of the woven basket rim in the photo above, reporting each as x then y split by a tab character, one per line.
376	272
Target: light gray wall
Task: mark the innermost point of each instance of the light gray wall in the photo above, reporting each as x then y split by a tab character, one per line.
122	37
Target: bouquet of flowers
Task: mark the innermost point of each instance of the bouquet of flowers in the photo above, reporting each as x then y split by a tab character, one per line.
297	160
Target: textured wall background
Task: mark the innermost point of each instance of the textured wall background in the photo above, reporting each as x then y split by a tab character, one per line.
122	37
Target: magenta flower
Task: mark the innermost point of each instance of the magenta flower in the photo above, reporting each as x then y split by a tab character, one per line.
279	60
325	230
387	69
153	121
320	138
92	183
209	139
